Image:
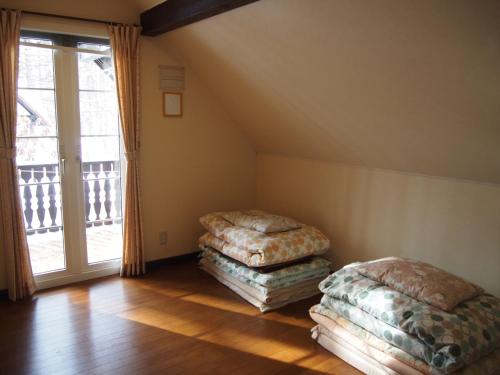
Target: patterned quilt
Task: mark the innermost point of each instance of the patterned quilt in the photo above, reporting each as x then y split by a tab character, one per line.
257	249
445	340
312	269
260	221
370	344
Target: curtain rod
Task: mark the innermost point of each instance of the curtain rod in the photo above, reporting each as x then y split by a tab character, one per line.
72	18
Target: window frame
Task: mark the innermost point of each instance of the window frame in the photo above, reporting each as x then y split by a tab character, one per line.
76	256
63	40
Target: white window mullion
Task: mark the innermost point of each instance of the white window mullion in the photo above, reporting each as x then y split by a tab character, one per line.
69	119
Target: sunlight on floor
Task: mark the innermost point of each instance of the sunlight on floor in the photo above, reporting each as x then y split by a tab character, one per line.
244	338
242	308
221	303
242	331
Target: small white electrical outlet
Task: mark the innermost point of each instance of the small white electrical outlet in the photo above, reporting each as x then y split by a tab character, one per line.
163	238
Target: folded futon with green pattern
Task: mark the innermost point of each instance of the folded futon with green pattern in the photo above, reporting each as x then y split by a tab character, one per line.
269	290
436	317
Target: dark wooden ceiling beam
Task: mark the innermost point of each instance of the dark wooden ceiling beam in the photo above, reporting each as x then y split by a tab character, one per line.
172	14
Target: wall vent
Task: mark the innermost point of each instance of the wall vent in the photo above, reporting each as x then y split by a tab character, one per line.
171	78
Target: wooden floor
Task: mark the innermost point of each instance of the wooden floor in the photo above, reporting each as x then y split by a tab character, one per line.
175	320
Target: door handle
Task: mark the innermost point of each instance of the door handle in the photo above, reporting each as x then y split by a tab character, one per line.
63	166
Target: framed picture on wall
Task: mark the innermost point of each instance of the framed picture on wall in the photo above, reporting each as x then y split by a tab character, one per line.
172	104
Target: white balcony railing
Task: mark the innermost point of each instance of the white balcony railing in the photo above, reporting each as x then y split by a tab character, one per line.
40	191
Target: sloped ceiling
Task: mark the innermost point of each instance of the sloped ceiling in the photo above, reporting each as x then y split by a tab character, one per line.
405	85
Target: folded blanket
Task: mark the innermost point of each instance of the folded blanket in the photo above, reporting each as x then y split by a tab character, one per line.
260	221
208	240
397	337
421	281
445	340
261	293
314	268
378	363
215	223
351	355
335	327
257	249
253	297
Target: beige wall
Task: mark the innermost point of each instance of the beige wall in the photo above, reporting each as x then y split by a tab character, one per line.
369	213
190	165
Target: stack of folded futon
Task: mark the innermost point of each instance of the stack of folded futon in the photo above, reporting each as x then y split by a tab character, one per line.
268	260
397	316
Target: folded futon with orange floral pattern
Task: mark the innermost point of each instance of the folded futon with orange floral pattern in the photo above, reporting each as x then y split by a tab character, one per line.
259	239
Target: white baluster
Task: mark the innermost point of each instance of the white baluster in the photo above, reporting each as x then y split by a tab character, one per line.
92	213
102	192
56	176
112	192
35	222
46	199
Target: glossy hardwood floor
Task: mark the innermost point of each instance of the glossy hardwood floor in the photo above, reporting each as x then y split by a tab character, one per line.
175	320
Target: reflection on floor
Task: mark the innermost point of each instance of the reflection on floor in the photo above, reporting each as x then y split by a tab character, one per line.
174	320
47	251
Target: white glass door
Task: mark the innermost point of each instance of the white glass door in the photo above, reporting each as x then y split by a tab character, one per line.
38	158
69	158
100	155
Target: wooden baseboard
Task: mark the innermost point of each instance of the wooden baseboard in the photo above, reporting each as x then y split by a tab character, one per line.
158	263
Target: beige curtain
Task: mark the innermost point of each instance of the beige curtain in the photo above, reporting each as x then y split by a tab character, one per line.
125	45
20	280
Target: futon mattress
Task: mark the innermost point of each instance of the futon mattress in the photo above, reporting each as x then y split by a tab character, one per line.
447	341
258	249
313	268
372	355
271	290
